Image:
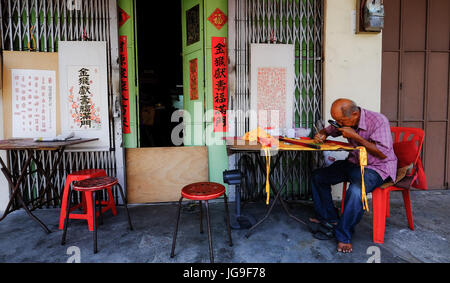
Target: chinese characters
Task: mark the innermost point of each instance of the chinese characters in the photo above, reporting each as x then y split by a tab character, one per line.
33	103
85	102
126	129
219	79
82	98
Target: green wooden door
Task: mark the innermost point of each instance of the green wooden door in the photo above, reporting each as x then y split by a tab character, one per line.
127	35
197	35
193	72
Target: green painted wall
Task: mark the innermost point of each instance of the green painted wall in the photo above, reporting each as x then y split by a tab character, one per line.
128	28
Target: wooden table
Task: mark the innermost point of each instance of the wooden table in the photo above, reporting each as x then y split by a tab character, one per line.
246	147
48	172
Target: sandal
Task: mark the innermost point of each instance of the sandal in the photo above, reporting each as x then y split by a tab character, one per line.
324	233
322	230
313	226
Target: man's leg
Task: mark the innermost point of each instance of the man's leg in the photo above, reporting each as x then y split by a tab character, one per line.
322	179
353	210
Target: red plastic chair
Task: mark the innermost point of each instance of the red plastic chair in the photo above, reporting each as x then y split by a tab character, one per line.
79	176
407	146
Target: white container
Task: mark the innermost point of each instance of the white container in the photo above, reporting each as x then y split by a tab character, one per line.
302	132
290	133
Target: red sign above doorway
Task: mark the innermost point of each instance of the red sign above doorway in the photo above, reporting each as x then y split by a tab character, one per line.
218	18
123	17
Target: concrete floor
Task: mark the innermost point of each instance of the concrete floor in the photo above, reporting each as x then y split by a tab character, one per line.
278	239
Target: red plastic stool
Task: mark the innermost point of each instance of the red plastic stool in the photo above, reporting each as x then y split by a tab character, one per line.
203	191
90	187
79	176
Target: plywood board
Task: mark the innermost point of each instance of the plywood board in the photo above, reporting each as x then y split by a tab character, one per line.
30	61
158	174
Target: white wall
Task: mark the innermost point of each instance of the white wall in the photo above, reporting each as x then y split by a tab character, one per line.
352	66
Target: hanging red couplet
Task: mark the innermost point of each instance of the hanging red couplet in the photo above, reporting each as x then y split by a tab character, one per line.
124	84
193	79
219	83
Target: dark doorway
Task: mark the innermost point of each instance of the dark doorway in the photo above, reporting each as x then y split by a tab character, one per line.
160	69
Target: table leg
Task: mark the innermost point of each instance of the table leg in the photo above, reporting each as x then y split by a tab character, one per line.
15	186
277	194
49	174
267	213
16	192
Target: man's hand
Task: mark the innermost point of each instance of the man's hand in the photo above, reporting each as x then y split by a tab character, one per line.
320	137
349	133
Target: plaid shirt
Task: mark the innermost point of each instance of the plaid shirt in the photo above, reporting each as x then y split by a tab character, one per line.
373	127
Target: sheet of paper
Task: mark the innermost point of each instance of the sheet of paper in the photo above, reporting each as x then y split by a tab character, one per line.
33	103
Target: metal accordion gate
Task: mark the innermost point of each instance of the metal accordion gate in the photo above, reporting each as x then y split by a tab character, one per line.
38	26
298	22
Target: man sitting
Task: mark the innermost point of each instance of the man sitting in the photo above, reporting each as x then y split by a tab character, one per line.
362	128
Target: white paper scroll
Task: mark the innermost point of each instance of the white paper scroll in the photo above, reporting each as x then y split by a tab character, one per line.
84	91
33	103
272	85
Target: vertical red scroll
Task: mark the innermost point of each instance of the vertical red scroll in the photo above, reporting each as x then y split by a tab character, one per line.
124	84
193	79
219	83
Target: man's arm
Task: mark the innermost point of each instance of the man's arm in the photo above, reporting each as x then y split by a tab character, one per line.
371	147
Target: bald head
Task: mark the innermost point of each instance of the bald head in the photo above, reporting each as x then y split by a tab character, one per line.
344	107
345	112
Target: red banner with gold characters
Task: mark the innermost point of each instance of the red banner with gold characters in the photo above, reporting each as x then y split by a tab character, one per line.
124	84
219	83
193	79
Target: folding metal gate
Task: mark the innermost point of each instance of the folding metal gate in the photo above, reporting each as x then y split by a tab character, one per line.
38	26
298	22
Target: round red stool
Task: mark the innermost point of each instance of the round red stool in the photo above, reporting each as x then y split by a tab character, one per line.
203	191
90	187
79	176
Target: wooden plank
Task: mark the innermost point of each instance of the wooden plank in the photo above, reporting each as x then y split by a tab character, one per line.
434	163
389	85
439	27
437	86
391	31
414	20
158	174
413	73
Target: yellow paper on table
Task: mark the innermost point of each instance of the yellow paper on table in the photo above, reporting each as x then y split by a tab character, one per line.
266	141
362	163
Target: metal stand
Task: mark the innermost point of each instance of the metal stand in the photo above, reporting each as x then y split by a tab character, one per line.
237	220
